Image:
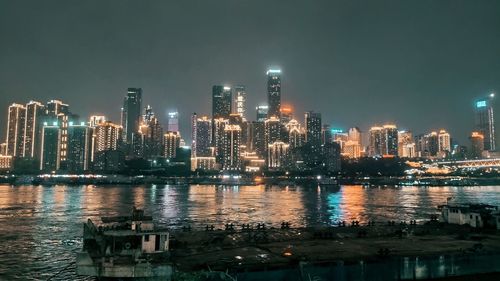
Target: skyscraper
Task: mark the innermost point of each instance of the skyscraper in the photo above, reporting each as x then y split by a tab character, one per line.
485	121
262	111
313	129
221	101
107	157
203	137
231	148
56	107
15	130
33	129
390	140
376	141
277	154
274	92
79	147
131	112
240	101
173	121
444	143
406	146
273	130
218	138
51	148
477	145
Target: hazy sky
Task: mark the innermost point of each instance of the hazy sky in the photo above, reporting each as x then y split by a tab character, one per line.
417	63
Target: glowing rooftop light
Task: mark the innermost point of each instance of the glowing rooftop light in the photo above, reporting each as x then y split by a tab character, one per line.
226	88
273	71
481	103
492	95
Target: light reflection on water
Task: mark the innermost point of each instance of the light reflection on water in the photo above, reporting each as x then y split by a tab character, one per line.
41	226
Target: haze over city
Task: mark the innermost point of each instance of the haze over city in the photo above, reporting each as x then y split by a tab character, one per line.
419	64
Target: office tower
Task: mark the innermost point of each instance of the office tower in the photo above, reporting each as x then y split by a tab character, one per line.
313	129
221	101
202	137
326	134
51	147
351	149
79	147
257	138
15	130
331	156
262	111
95	120
376	139
131	112
240	101
354	134
286	114
477	145
485	121
173	121
33	129
277	155
148	114
444	144
295	134
406	145
274	92
390	140
273	130
218	138
171	141
153	139
231	148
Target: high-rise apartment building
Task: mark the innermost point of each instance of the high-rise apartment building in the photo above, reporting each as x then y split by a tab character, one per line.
33	129
240	101
231	148
313	129
444	143
277	155
477	145
50	158
171	142
15	130
79	147
221	101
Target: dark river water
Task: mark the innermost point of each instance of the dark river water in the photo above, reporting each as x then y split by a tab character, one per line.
40	227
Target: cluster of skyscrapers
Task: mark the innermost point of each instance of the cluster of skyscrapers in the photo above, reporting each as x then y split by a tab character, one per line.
50	138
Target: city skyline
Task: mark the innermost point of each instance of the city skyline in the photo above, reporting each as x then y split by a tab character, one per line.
342	66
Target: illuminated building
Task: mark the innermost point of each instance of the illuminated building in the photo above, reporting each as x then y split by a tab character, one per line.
107	139
477	145
231	148
153	140
390	139
485	121
221	101
173	121
57	111
351	149
15	130
286	114
240	101
218	138
262	111
203	163
33	129
56	107
427	145
5	162
354	134
339	136
313	129
444	144
274	92
257	138
95	120
202	137
148	115
252	162
273	130
79	147
277	155
376	141
326	134
295	134
50	147
172	141
406	145
131	113
3	148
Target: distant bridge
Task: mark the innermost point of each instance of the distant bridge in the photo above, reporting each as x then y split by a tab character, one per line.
476	163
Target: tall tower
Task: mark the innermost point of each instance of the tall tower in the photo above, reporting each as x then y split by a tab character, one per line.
131	112
15	130
33	129
262	111
274	92
173	121
79	146
171	141
221	101
485	121
240	101
231	148
313	129
203	137
51	147
390	139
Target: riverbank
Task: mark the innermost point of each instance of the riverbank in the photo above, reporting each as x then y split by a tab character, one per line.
380	252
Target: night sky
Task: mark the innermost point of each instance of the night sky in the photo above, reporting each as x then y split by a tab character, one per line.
417	63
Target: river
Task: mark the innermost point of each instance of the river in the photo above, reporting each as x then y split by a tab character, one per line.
41	226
